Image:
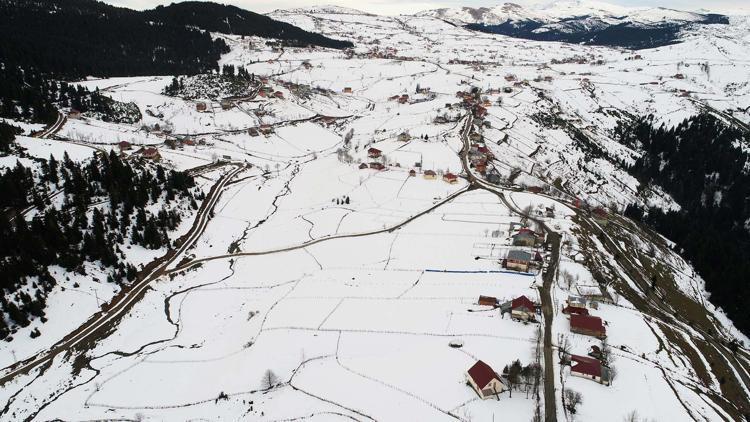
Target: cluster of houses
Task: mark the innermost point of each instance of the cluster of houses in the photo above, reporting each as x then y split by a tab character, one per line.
593	366
487	383
479	155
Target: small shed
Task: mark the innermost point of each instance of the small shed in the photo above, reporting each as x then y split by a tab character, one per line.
487	301
374	153
430	175
377	166
151	153
404	137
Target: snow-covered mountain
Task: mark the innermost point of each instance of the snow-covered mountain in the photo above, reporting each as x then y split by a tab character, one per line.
565	11
580	22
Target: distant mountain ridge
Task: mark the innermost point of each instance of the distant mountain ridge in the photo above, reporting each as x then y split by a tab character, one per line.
582	22
77	38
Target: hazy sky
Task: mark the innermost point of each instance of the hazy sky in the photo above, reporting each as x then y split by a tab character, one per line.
392	7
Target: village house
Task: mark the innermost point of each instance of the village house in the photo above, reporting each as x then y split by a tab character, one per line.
201	107
520	308
589	368
404	137
253	132
188	142
483	379
403	99
487	301
266	129
74	114
151	153
601	216
429	174
574	310
518	260
412	173
475	137
377	166
279	95
226	104
374	153
524	237
347	90
450	178
587	325
124	146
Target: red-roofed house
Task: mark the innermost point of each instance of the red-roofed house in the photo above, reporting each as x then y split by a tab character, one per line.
483	379
522	308
575	310
487	301
374	153
124	145
587	325
377	166
429	174
151	153
590	368
450	178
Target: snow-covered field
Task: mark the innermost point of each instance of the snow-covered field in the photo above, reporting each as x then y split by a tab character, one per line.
348	284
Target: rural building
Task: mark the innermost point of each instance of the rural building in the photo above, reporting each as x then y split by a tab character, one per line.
404	137
279	95
377	166
412	173
347	90
266	129
589	368
201	106
601	215
124	145
576	301
403	99
483	379
518	260
374	153
253	131
524	237
487	301
188	142
587	325
574	310
475	137
429	174
450	178
522	308
151	153
226	104
74	114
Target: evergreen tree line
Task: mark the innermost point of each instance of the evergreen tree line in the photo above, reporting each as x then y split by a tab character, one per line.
72	234
29	95
702	164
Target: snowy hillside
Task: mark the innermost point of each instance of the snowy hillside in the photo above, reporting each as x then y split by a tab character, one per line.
377	220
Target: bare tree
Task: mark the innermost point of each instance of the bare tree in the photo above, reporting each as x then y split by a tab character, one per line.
632	417
269	380
572	400
612	374
563	348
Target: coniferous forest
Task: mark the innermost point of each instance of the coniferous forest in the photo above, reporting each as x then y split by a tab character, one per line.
100	210
703	164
